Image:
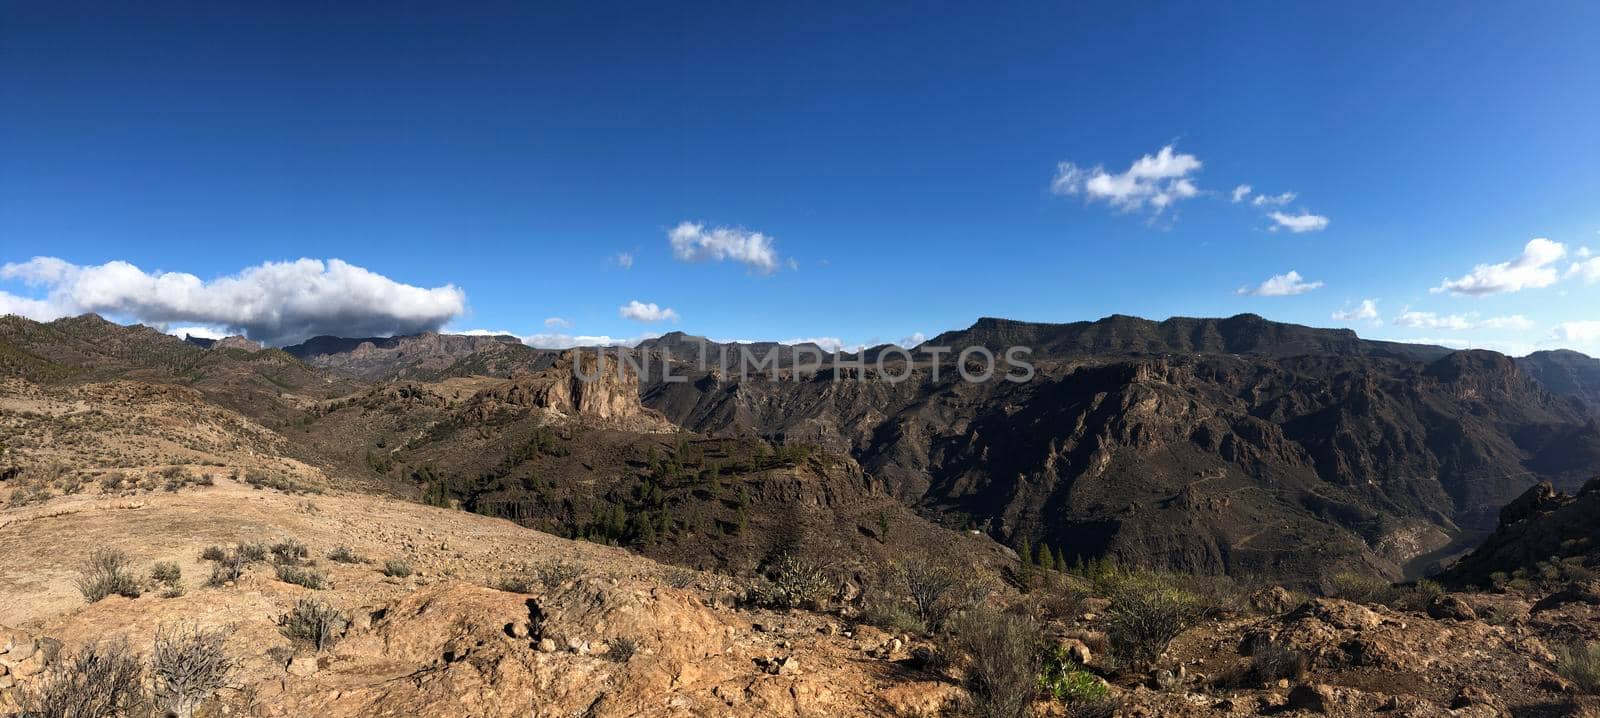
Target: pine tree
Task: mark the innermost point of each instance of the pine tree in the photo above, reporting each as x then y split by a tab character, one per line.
1046	560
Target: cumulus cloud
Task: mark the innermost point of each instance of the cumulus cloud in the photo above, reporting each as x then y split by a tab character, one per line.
557	323
912	340
1470	320
1367	311
1430	320
1588	270
275	302
646	312
1533	269
1515	321
1153	181
692	242
1273	200
1585	333
198	332
1282	285
1240	192
1297	223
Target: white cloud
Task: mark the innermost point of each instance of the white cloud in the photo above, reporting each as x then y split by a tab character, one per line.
1240	192
1275	200
1297	223
274	302
1430	320
1470	320
1533	269
39	310
1366	312
1588	270
200	332
623	259
568	341
1515	321
1282	285
828	344
691	242
557	323
643	312
1580	333
912	340
1583	253
1154	181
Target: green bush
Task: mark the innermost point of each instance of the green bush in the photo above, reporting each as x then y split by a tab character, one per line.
1361	588
1003	673
939	590
1147	611
1066	681
797	582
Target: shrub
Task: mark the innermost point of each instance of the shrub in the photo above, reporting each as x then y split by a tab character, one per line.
1579	662
166	572
396	568
891	615
213	553
343	554
1361	588
938	590
300	576
253	552
797	582
554	574
1003	676
289	551
106	679
1272	660
313	623
229	568
188	665
1147	611
514	584
108	573
622	649
1067	682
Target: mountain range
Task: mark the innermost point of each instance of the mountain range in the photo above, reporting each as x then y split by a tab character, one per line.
1235	445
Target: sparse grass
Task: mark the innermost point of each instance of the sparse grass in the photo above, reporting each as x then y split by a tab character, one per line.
109	572
396	568
301	576
344	554
189	666
106	679
1361	588
892	616
314	623
1579	662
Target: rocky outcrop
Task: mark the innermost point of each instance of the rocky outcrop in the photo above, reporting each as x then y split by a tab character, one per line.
580	384
1542	525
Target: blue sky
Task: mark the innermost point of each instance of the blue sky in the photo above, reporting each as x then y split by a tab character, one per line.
902	163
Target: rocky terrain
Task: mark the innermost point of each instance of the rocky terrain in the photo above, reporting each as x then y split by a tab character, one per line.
1191	517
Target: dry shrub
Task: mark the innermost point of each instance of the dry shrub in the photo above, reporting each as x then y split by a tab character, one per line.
313	623
1147	611
189	666
106	679
109	572
1003	675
